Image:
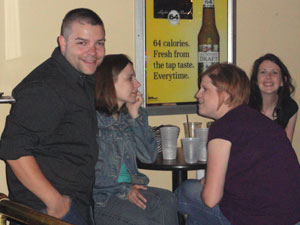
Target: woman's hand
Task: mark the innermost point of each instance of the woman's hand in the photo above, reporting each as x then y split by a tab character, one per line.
133	108
136	197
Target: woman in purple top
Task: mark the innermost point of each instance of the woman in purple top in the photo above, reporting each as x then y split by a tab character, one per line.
253	175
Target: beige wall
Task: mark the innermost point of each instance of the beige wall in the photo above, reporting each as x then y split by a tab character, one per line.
270	26
262	26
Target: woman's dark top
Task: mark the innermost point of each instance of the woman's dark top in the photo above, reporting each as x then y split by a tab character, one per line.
262	184
289	108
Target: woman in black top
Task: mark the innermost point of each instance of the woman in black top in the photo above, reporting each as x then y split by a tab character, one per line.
271	89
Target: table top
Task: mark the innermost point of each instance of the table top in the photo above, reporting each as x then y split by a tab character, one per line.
178	164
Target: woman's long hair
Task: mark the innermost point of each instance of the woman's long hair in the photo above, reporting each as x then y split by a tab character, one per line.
106	75
284	92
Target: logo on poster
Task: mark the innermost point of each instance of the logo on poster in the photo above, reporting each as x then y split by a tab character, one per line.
173	17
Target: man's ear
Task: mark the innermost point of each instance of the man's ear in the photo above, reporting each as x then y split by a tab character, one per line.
62	43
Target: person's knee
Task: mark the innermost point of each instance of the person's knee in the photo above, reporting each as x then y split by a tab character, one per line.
189	189
163	197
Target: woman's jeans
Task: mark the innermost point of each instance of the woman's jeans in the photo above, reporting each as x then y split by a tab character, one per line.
161	209
190	203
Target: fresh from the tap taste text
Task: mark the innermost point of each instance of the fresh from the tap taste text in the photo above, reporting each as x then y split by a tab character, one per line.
164	66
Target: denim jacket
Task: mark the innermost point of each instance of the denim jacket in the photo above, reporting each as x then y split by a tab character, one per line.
123	140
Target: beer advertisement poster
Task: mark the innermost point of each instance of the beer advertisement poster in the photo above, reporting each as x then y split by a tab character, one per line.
176	52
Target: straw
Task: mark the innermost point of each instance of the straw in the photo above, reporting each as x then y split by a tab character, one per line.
188	124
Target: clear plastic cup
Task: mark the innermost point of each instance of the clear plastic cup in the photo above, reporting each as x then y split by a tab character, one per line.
169	136
189	128
191	149
201	133
203	151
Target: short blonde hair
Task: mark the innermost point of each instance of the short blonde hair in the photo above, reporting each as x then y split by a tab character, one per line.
231	79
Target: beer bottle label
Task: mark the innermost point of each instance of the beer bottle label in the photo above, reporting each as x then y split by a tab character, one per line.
207	55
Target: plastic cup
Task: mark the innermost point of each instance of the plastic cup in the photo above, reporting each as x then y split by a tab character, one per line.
202	134
169	136
203	151
189	130
191	149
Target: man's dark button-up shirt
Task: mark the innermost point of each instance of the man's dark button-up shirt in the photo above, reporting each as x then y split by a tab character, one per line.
54	120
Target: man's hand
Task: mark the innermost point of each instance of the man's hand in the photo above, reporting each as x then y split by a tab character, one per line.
136	197
30	175
60	207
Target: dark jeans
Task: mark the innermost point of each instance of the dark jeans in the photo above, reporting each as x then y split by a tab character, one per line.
160	209
72	216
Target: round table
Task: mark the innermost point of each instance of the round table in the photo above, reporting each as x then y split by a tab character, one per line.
178	167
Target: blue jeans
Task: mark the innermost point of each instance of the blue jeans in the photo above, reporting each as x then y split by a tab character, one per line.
72	216
190	203
161	209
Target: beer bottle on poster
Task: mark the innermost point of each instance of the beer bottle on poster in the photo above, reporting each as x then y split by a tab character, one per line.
208	38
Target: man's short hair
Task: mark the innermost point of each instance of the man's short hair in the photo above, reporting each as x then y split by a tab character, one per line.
79	15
